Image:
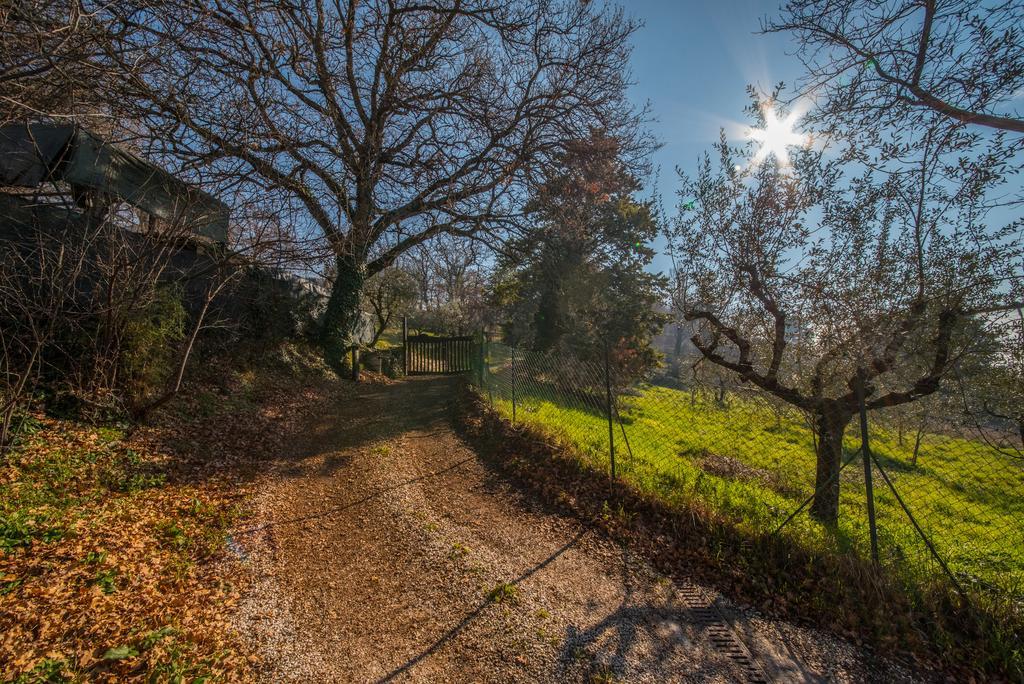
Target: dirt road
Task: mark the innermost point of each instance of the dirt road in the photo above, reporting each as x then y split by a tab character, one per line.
385	549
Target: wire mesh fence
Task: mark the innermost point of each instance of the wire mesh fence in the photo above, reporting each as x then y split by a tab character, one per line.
948	501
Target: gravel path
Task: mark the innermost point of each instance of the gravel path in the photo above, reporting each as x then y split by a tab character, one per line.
384	549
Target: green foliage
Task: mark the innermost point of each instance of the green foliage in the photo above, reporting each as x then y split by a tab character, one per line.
23	425
110	433
106	580
579	279
38	505
198	531
124	472
16	529
751	468
152	638
120	653
95	557
173	535
149	345
175	663
33	509
47	671
504	592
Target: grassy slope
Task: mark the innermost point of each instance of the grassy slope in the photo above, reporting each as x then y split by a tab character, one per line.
390	339
968	499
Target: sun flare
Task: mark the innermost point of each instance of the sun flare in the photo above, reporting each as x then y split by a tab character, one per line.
777	137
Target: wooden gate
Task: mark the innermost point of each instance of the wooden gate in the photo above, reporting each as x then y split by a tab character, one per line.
438	355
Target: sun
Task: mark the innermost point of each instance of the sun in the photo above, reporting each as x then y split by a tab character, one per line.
777	137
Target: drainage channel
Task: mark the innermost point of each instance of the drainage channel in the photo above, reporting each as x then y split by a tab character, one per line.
723	639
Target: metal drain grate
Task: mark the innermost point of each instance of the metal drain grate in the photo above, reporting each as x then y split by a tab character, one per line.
717	629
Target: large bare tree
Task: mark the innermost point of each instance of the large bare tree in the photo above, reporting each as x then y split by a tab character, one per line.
385	122
55	64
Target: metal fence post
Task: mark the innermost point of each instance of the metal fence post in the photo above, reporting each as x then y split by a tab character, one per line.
866	453
405	345
487	369
608	393
513	383
480	356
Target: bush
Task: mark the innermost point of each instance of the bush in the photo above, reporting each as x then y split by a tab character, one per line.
149	345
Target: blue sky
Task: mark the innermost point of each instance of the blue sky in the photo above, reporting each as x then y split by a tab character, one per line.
692	61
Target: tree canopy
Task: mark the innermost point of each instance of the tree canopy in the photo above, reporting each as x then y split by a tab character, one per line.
385	123
578	280
863	266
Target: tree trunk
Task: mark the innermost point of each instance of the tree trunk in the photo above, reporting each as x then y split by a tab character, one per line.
339	320
917	439
831	422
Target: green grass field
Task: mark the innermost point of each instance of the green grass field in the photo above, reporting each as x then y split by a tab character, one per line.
390	338
753	467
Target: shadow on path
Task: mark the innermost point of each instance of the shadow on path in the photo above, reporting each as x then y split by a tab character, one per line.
343	507
454	631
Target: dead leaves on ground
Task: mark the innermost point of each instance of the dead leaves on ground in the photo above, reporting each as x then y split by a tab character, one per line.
115	559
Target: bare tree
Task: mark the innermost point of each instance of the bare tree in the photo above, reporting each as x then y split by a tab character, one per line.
899	60
55	64
451	281
456	265
419	264
84	301
45	49
387	122
39	281
888	262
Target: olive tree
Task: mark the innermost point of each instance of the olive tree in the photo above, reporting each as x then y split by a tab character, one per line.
991	390
390	293
902	60
386	122
883	254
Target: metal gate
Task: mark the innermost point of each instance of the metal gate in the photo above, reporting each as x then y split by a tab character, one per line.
438	355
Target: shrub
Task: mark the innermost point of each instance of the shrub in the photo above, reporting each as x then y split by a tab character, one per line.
149	345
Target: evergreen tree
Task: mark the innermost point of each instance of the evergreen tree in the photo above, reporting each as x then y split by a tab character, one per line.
578	281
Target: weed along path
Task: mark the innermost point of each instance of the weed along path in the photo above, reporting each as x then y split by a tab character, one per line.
384	549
